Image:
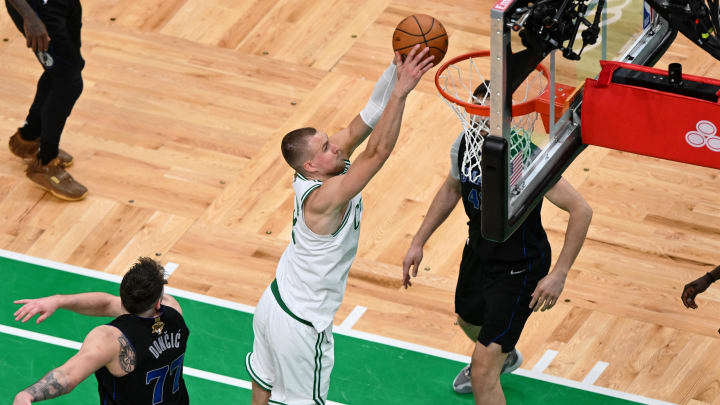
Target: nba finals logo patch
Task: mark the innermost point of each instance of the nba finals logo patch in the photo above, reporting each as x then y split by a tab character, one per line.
705	134
158	326
45	59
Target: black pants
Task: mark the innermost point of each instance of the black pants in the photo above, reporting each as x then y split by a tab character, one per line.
61	83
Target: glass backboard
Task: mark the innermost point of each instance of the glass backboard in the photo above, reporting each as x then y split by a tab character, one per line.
523	33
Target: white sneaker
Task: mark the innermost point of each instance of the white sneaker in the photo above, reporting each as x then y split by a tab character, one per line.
462	384
512	362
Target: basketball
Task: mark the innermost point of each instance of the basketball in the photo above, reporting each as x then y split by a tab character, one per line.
421	29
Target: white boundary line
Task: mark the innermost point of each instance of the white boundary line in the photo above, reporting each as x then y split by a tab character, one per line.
595	373
347	332
591	388
205	375
170	268
352	318
40	337
544	361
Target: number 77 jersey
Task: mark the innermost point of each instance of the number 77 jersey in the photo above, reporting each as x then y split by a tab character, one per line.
159	344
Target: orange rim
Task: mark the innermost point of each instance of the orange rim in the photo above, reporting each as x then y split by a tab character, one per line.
523	108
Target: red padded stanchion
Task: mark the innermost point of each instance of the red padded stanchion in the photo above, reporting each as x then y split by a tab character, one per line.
650	122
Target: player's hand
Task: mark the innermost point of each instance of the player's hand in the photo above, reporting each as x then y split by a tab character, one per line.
44	306
22	398
692	289
36	35
548	291
397	59
411	69
413	257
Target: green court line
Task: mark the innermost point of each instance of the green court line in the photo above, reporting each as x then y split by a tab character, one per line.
365	372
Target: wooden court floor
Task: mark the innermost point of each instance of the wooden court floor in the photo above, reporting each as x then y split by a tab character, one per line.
177	137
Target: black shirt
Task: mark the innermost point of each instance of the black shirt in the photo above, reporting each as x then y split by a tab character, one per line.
528	242
159	353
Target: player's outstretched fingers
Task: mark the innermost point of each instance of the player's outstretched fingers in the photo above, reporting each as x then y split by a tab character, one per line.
417	60
45	42
21	309
42	317
427	63
548	304
411	55
29	314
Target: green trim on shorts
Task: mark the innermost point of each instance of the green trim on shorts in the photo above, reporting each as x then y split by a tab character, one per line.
276	402
254	376
276	293
318	370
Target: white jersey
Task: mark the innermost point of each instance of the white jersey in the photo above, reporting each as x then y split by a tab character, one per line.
312	272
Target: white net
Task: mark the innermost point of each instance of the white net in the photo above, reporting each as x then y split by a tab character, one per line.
465	81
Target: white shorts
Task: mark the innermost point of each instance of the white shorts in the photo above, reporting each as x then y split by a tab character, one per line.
289	358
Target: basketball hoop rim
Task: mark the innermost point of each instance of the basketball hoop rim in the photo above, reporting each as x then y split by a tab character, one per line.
523	108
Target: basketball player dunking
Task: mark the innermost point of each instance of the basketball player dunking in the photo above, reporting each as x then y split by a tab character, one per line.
292	355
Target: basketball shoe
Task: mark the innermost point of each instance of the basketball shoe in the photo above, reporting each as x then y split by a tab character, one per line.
461	384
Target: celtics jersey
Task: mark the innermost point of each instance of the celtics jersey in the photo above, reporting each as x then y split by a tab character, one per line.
313	270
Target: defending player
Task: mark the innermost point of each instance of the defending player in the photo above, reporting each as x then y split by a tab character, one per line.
500	284
136	358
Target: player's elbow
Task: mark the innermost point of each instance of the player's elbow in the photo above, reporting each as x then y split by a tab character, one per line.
584	211
377	155
382	153
69	388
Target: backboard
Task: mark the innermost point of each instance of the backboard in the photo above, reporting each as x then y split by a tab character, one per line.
523	34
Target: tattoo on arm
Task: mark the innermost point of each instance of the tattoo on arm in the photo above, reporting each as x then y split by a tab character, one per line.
52	385
127	355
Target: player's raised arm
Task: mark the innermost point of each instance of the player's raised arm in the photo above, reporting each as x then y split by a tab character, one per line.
337	191
93	304
360	127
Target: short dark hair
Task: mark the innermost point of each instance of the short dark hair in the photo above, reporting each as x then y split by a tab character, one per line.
142	285
294	146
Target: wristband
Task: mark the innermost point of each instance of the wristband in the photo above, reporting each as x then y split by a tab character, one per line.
380	96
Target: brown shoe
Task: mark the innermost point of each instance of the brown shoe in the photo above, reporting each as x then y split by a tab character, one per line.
53	178
28	150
